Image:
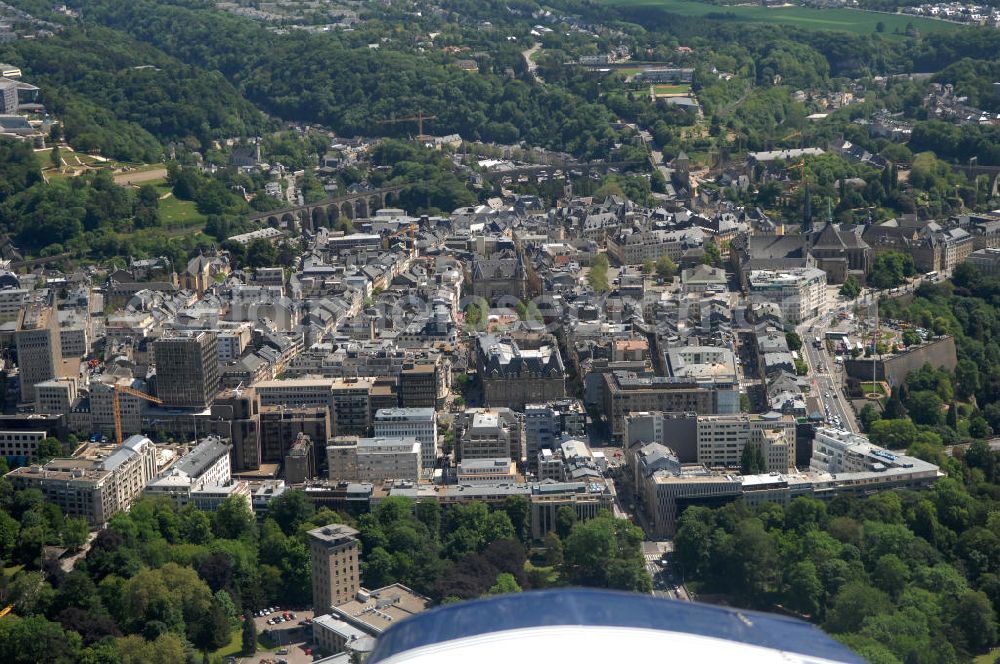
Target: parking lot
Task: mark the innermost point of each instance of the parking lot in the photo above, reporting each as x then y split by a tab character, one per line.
290	636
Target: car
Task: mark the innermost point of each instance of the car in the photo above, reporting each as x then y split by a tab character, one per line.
270	621
281	651
292	616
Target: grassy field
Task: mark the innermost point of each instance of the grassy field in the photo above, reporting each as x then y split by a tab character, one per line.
175	212
844	20
667	89
629	71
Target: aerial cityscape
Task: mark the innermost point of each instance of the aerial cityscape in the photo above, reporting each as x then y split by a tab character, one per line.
323	322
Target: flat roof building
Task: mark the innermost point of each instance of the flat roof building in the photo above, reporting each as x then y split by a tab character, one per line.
336	572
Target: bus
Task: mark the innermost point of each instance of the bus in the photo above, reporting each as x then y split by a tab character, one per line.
817	342
931	276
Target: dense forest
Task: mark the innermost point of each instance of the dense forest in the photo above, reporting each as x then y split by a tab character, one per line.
160	584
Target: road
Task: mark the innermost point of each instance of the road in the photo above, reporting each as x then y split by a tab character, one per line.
825	375
665	581
994	444
532	65
135	177
290	636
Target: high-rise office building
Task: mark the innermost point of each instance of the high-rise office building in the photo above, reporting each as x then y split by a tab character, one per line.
187	369
419	423
39	352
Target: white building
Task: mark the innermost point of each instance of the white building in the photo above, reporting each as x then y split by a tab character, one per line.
487	470
207	467
374	459
93	488
721	439
419	423
799	292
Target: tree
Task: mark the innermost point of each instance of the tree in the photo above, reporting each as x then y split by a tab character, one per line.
666	269
850	288
880	27
234	519
553	549
869	414
290	509
893	434
752	460
967	378
794	340
26	640
212	631
975	619
803	589
712	256
49	448
505	584
891	574
648	266
604	552
597	277
249	634
74	533
517	509
910	337
55	157
565	520
853	604
925	407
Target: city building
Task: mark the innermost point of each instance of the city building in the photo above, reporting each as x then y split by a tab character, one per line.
206	465
800	293
419	423
420	386
39	350
280	426
300	461
333	635
721	439
546	424
336	572
20	448
626	392
486	470
490	437
373	611
519	370
187	369
374	459
93	488
57	396
842	463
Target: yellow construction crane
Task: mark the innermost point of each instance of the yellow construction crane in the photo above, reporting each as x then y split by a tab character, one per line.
7	609
802	169
118	389
419	118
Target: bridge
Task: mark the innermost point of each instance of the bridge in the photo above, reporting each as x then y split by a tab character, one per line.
972	171
542	172
326	212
